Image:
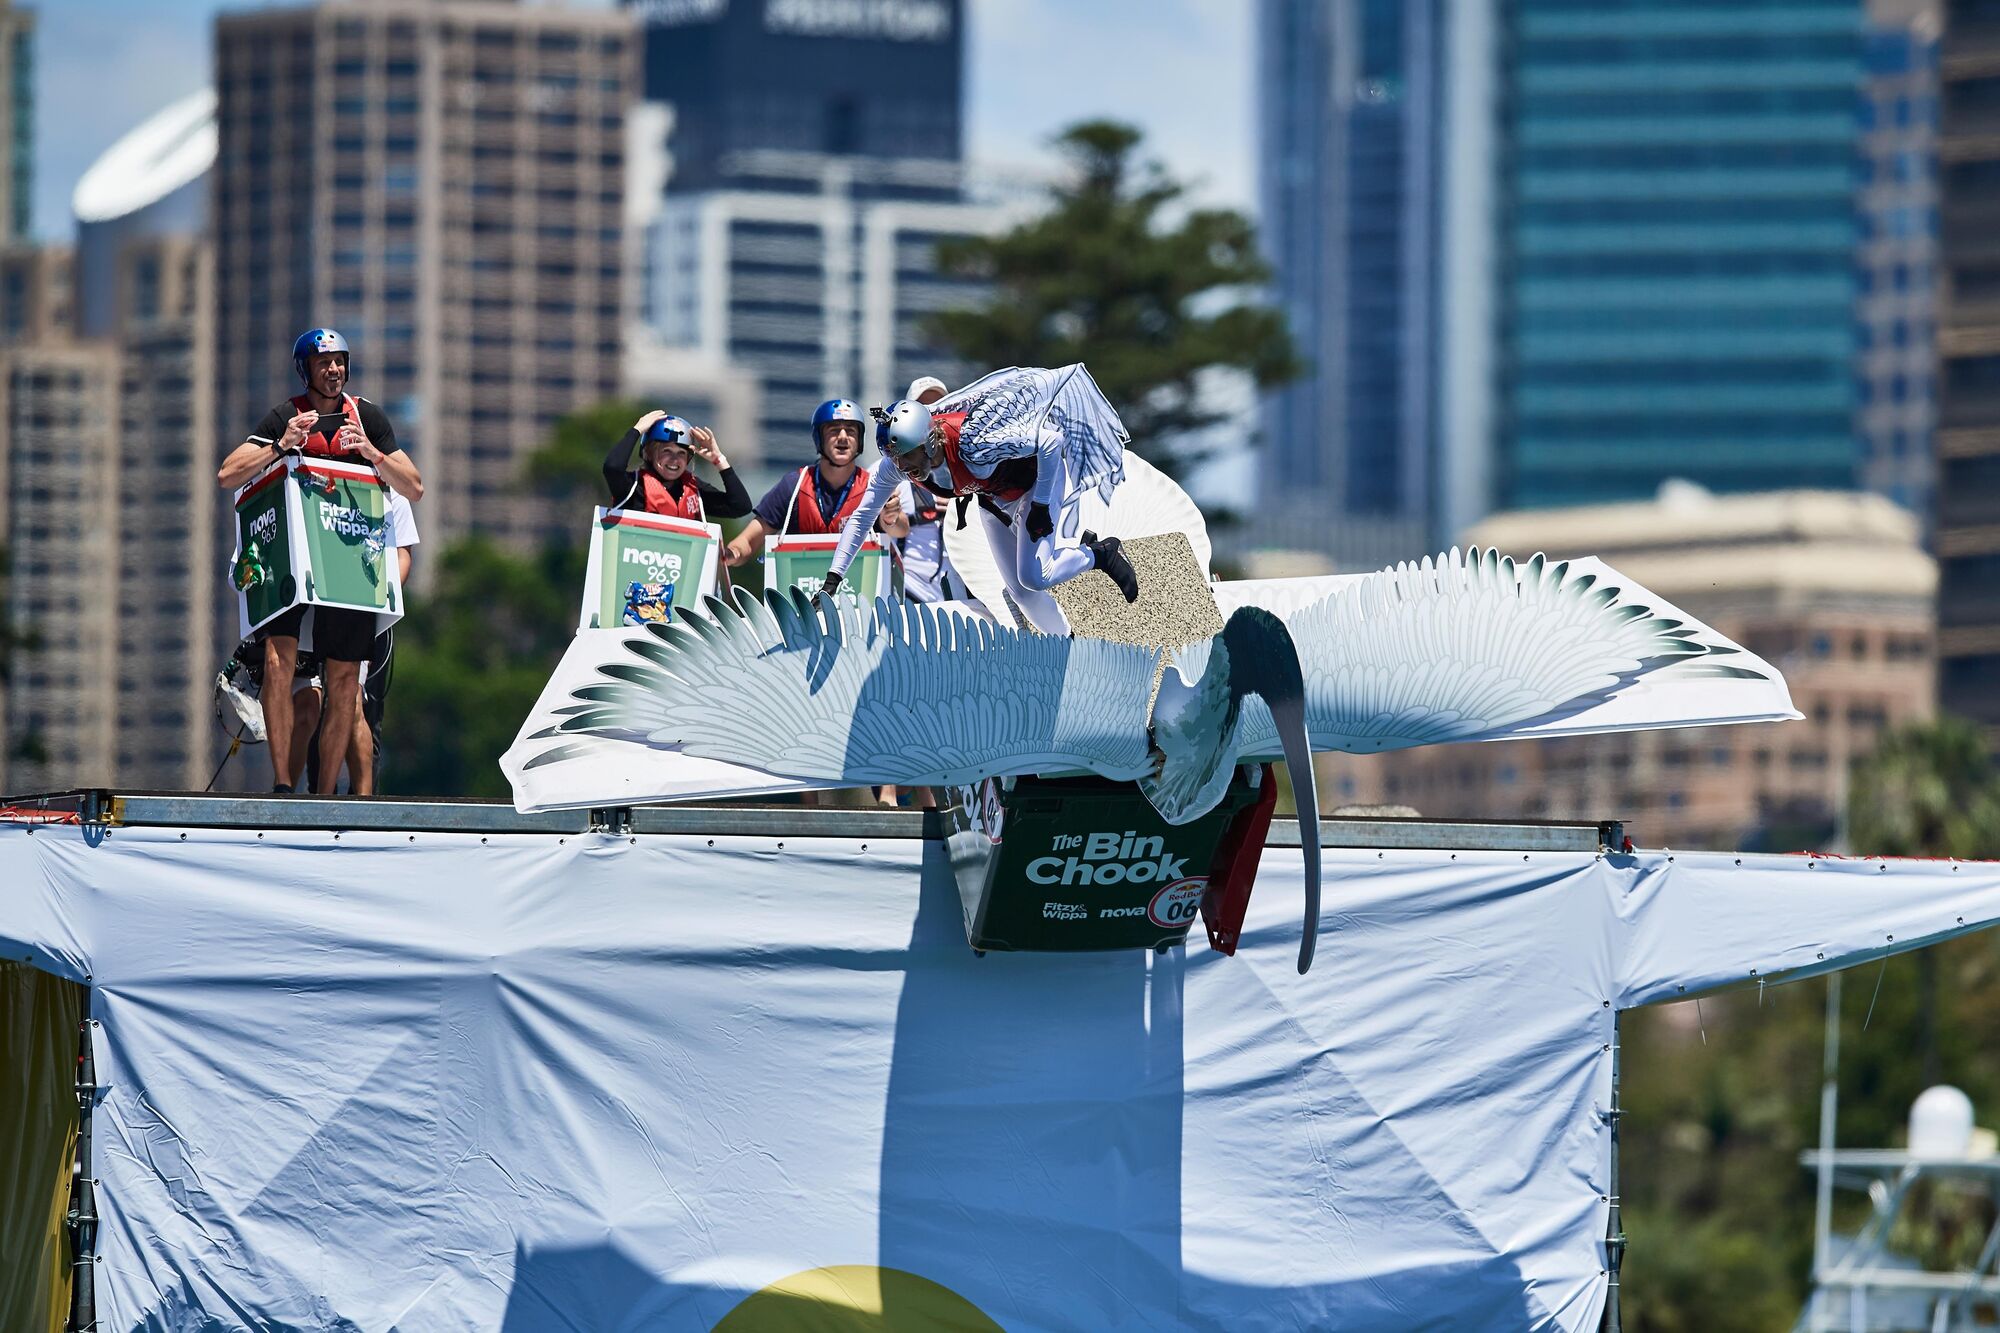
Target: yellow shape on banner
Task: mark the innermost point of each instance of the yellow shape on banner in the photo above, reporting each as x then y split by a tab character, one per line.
856	1298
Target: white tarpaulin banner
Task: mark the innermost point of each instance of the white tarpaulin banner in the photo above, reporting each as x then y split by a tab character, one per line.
454	1081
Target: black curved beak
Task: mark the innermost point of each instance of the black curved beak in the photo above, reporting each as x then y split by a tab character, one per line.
1264	661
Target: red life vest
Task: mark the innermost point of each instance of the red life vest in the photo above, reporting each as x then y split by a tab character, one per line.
322	446
657	499
929	505
813	520
1010	480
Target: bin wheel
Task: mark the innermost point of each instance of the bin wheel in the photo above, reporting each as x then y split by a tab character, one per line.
1161	948
288	589
979	953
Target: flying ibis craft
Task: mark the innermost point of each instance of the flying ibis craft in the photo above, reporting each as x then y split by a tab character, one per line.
781	692
784	691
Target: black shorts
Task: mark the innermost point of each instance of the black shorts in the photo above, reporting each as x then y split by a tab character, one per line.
339	635
381	668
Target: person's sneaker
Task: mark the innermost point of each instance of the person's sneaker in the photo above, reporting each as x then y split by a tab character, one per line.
1109	553
281	789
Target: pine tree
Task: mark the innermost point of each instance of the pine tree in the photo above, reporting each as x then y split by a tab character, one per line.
1115	274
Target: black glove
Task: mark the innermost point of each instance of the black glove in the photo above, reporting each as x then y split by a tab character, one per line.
1040	524
830	585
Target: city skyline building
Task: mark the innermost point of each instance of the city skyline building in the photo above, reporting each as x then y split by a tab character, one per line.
818	292
153	182
164	331
17	120
1350	109
109	486
57	400
37	293
1675	251
1968	435
810	160
1832	588
445	184
1896	370
879	81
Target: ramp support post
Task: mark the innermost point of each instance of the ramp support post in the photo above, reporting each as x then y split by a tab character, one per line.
81	1219
1614	1227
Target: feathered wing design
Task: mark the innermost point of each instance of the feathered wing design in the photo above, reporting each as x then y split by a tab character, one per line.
1473	647
891	693
1010	412
779	693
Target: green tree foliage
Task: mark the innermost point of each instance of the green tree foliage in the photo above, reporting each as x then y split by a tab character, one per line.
482	639
1118	274
1927	791
471	658
568	467
1721	1097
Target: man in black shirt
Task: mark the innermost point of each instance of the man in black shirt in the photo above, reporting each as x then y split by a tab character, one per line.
327	422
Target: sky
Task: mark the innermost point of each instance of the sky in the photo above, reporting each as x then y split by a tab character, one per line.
1180	69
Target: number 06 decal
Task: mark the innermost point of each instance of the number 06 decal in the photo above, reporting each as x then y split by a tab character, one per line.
1179	903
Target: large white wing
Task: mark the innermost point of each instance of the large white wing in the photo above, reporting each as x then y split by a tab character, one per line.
1478	647
891	693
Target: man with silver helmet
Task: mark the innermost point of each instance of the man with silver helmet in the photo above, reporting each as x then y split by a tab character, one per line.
927	572
1029	444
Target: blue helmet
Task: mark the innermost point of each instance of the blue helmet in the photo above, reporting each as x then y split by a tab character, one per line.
312	341
837	409
669	430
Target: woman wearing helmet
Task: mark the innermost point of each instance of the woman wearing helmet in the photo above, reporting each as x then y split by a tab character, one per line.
665	482
1029	443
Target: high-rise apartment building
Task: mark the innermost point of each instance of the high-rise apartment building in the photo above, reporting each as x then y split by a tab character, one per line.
37	293
59	412
1675	249
444	184
167	502
820	292
814	162
1350	169
1968	435
879	80
17	120
1896	374
107	432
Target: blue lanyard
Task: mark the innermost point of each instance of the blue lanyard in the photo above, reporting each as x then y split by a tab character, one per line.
838	498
